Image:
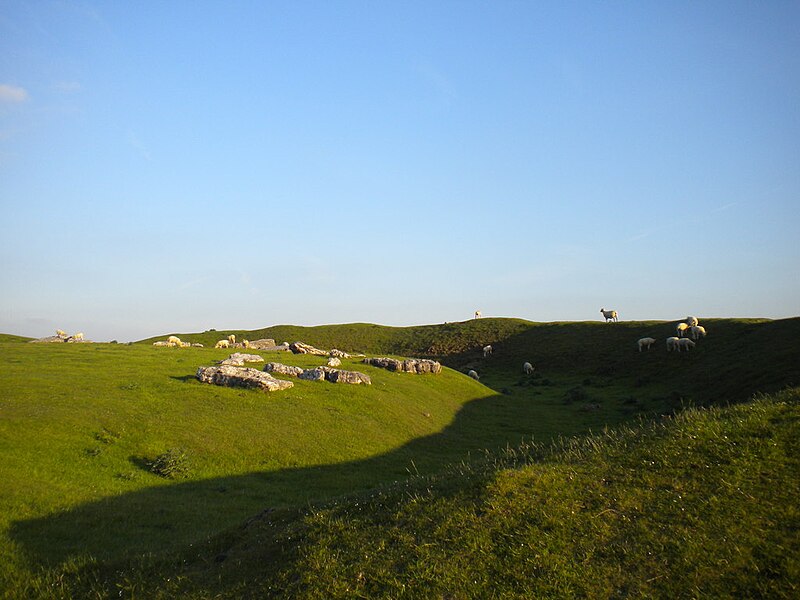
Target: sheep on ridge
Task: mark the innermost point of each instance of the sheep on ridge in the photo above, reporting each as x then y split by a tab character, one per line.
477	314
645	342
60	333
222	344
77	337
174	339
527	368
232	339
696	331
487	350
672	344
473	374
685	344
681	328
610	315
692	321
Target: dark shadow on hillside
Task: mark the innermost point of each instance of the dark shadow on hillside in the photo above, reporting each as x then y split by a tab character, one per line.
160	518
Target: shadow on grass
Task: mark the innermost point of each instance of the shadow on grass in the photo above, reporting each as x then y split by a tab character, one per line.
171	515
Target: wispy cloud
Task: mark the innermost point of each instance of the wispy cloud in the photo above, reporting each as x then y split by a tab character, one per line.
12	93
639	236
724	207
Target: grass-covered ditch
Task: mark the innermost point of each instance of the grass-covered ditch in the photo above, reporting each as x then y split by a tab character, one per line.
122	473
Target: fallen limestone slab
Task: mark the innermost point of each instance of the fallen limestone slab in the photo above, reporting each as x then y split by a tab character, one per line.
230	376
302	348
262	344
281	369
237	359
409	365
317	374
340	376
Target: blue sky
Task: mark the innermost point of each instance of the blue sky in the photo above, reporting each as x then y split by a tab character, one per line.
174	167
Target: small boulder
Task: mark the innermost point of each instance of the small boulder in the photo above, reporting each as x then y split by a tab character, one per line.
281	369
312	374
237	359
301	348
230	376
334	362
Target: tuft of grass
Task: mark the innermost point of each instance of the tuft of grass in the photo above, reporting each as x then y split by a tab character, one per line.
172	464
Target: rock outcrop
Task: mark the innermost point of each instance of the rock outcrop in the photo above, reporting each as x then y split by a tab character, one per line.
230	376
266	344
409	365
301	348
319	373
237	359
281	369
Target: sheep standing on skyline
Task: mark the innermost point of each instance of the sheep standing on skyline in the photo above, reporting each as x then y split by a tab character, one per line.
61	333
487	350
77	337
692	321
610	315
681	328
474	374
477	314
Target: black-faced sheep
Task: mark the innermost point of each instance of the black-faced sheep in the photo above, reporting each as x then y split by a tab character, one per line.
610	315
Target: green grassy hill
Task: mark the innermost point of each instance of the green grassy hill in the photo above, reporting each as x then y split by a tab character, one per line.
81	423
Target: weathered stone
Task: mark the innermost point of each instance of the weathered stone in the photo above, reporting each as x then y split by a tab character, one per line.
238	359
317	374
338	354
231	376
274	367
301	348
334	362
263	344
410	365
197	345
340	376
160	344
49	339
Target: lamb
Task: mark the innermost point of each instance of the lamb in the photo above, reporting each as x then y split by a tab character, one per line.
673	344
692	321
527	368
473	374
60	333
487	350
77	337
681	328
697	331
645	342
610	315
232	339
477	314
174	339
685	344
246	343
222	344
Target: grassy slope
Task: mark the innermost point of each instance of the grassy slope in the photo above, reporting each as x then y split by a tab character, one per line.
702	505
74	437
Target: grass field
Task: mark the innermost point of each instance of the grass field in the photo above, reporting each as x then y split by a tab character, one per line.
80	423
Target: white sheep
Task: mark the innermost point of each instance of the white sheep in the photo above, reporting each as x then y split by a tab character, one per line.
61	333
681	328
692	321
645	342
696	331
610	315
527	368
685	344
174	339
246	343
487	350
232	338
222	344
673	344
77	336
478	314
473	374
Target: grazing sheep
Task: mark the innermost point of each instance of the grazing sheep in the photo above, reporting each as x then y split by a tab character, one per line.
697	331
487	350
681	328
77	337
60	333
473	374
232	339
610	315
672	344
527	368
645	342
685	344
692	321
223	344
159	343
245	343
478	314
174	339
